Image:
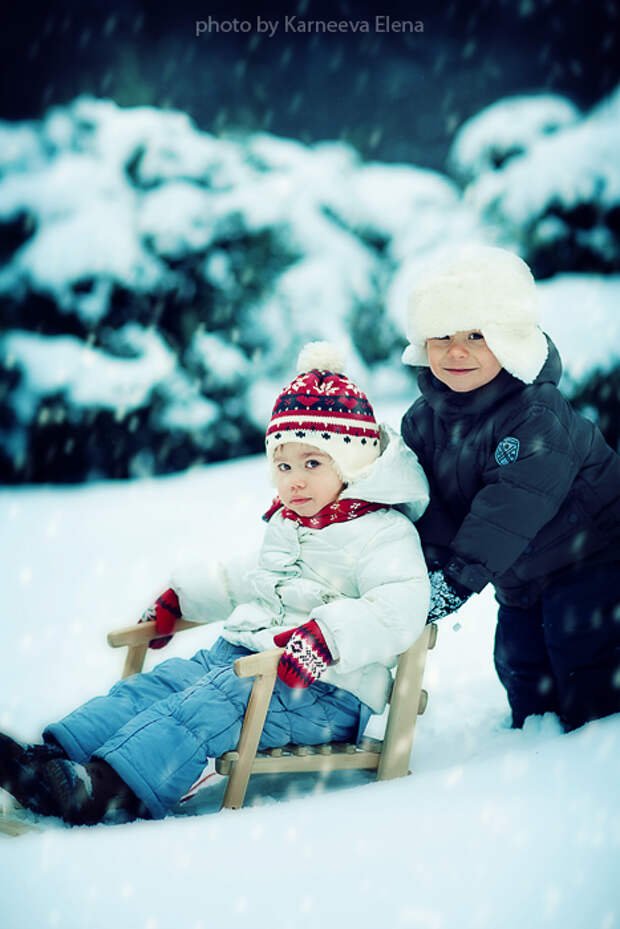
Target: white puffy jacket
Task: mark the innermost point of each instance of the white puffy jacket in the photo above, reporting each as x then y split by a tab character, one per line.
364	581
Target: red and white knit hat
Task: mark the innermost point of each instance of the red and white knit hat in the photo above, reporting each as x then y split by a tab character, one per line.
322	407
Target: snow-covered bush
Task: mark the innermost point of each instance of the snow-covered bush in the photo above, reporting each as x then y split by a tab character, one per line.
505	130
548	182
158	282
153	273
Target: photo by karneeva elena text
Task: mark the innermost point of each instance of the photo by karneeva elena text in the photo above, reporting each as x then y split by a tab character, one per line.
294	25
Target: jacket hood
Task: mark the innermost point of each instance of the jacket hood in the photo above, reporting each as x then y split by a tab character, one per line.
395	477
552	369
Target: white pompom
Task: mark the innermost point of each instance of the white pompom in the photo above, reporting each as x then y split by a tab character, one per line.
320	355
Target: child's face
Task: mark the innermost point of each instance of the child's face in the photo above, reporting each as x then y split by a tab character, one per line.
306	478
462	361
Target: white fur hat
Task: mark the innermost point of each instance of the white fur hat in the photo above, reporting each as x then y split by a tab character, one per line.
479	287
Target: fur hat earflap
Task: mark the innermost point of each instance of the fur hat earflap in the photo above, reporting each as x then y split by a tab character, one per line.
323	408
485	288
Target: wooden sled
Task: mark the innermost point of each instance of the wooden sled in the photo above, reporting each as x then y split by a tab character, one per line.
389	757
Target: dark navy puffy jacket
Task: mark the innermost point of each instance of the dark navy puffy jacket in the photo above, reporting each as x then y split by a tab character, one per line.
523	488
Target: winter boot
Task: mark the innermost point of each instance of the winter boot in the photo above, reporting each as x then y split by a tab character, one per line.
21	772
90	793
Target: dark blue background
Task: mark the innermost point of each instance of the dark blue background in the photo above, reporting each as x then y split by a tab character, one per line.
396	97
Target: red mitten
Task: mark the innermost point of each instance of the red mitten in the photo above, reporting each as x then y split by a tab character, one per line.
306	655
282	638
165	611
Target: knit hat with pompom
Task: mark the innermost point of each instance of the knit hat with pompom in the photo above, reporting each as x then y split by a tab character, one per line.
323	408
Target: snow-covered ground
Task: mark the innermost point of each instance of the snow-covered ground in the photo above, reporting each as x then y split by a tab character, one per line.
495	828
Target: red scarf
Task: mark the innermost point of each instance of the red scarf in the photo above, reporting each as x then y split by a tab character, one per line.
341	511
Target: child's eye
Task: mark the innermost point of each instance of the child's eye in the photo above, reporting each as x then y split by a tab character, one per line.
282	466
439	338
474	336
312	463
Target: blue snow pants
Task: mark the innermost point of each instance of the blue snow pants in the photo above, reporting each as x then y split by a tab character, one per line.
158	729
562	654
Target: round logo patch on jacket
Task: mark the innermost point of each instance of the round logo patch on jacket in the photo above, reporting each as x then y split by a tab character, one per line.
507	450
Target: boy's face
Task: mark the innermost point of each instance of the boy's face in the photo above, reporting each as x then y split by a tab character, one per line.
306	478
462	361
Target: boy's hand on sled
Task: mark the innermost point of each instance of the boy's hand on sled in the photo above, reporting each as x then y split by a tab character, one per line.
306	655
165	611
446	597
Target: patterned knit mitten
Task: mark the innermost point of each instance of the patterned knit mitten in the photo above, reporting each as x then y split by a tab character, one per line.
306	655
445	597
165	611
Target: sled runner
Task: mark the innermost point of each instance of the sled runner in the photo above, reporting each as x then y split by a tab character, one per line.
389	757
14	819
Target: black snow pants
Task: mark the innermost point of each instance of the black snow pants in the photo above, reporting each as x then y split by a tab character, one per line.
562	654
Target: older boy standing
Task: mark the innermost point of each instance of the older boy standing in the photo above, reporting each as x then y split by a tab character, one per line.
525	493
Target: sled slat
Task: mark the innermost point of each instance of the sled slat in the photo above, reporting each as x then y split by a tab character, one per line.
14	827
256	664
337	761
136	639
404	709
12	817
134	662
142	633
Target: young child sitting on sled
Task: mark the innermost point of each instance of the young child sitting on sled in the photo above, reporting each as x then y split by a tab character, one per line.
341	583
525	494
